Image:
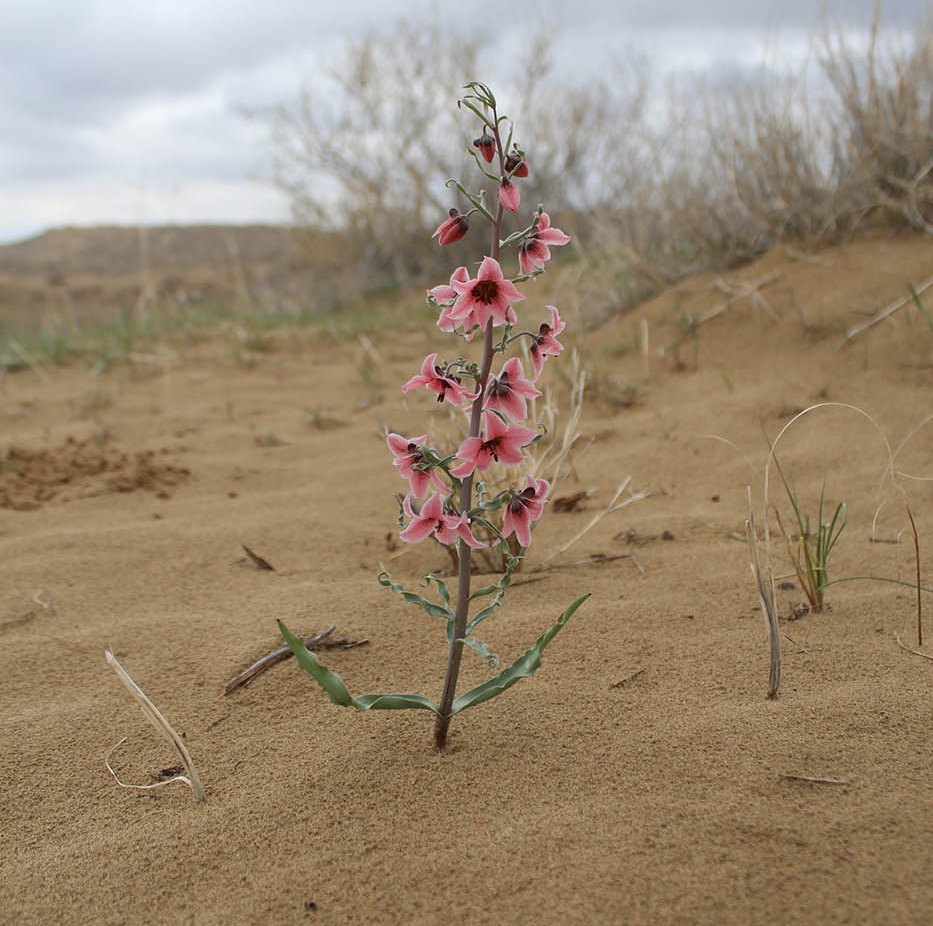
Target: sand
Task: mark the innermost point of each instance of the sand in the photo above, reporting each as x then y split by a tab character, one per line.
641	777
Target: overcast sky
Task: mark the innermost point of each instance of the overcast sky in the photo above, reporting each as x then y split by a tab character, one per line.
130	110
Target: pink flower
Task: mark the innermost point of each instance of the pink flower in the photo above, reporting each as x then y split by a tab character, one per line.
545	343
508	391
489	296
516	165
447	296
509	195
445	292
535	249
433	519
446	386
458	526
486	145
407	455
452	229
501	443
523	508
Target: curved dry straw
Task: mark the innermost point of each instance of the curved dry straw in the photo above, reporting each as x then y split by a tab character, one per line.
154	716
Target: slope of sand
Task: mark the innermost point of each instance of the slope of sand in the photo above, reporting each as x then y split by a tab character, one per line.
638	778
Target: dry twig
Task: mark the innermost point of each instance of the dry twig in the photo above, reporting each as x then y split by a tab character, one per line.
910	649
766	600
154	716
743	289
257	560
880	316
321	640
815	780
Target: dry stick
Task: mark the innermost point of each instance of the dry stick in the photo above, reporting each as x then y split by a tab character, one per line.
273	657
816	781
886	312
737	292
622	682
28	359
258	561
766	600
913	527
455	653
597	559
910	649
609	509
154	716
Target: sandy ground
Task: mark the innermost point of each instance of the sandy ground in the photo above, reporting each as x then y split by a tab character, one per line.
638	778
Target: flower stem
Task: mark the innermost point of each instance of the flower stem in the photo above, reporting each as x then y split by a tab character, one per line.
462	612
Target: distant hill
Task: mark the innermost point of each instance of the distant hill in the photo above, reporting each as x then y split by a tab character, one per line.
76	276
119	251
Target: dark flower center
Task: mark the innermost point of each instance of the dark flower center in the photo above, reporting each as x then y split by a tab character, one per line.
521	500
446	380
486	291
500	386
493	447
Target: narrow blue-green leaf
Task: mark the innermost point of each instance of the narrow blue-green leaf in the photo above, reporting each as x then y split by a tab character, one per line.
330	681
435	610
442	592
918	302
393	702
523	667
337	691
483	651
499	588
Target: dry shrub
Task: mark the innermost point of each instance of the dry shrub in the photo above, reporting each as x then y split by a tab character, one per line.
365	149
656	180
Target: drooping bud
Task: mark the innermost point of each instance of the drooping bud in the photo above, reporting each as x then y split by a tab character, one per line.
516	165
509	195
451	229
486	145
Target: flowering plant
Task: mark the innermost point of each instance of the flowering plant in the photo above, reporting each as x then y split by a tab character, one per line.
445	498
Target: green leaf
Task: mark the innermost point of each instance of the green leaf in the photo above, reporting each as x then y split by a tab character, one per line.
918	302
393	702
526	665
482	650
485	590
337	691
331	682
435	610
511	563
442	592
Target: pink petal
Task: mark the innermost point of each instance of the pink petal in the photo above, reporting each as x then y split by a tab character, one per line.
509	196
537	361
433	508
508	289
489	269
397	444
466	535
417	530
522	528
553	236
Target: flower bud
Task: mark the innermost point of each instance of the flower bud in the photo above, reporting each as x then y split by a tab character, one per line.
509	195
486	145
451	229
516	165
